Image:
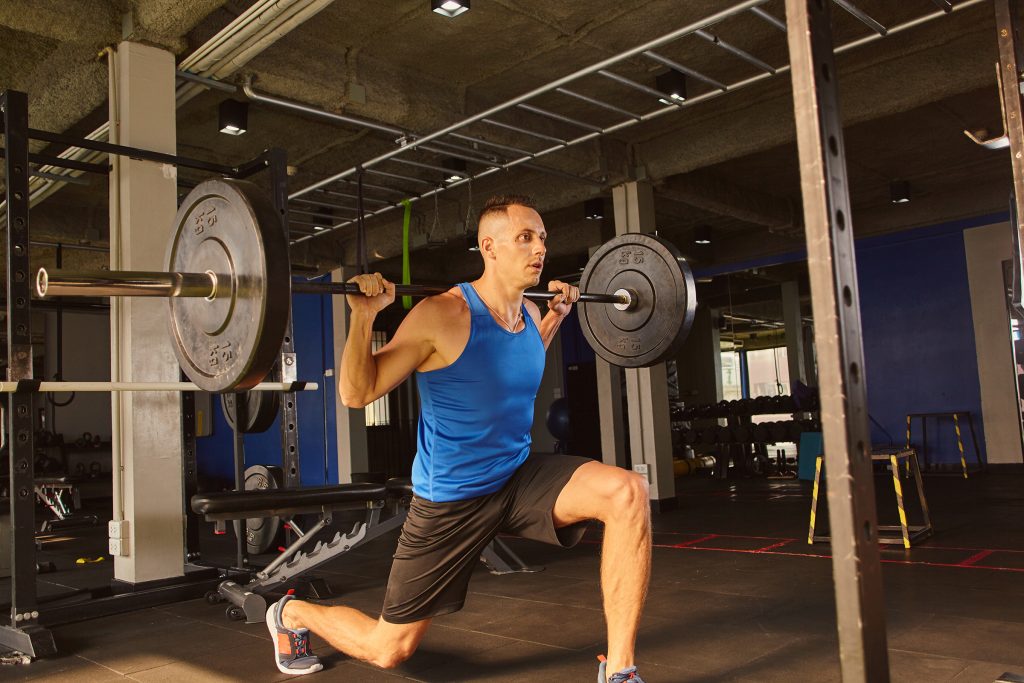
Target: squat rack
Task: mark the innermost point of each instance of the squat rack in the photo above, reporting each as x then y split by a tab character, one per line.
26	630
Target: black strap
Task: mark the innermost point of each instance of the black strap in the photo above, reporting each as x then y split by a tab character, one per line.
295	386
28	386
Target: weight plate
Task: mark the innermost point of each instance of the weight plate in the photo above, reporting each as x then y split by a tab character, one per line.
229	228
656	325
261	532
260	410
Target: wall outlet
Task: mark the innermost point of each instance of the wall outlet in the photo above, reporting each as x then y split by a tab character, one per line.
118	547
117	538
641	468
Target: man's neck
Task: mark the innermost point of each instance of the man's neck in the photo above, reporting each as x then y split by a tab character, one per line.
505	299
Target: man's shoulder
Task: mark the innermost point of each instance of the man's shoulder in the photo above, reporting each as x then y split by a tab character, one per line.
441	307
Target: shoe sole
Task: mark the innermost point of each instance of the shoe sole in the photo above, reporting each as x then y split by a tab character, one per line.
272	628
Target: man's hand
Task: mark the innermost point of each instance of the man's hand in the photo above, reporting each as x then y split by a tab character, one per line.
377	294
566	297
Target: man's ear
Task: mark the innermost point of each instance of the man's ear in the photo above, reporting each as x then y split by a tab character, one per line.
487	247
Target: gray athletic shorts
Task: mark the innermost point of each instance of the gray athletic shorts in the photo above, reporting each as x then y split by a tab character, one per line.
440	544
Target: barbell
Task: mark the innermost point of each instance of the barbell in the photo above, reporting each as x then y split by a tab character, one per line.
229	288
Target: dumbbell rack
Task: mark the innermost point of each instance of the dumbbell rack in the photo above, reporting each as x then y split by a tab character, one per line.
26	630
742	440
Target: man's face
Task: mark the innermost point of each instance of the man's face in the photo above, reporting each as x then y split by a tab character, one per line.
520	248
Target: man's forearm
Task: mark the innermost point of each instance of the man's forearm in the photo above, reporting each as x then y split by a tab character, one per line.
358	369
549	325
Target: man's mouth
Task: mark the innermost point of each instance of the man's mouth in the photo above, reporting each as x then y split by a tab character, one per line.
539	265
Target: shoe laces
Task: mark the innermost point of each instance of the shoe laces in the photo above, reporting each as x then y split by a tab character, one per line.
300	643
627	675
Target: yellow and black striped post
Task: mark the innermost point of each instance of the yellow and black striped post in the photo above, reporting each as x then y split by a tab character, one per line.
814	499
908	431
894	461
960	443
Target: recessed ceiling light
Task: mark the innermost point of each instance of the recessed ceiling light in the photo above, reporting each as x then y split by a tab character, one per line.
593	209
449	8
233	117
702	234
673	84
899	191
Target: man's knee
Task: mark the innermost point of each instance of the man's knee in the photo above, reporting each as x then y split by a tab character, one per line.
392	657
629	495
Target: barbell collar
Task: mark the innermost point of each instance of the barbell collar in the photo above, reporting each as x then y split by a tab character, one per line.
125	283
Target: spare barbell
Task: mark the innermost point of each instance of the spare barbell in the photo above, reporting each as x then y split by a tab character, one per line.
229	284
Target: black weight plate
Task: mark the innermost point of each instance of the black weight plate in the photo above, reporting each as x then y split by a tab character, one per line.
260	409
261	532
229	228
653	329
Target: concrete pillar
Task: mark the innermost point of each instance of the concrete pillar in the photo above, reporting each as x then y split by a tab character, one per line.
609	408
794	332
699	361
650	426
986	248
146	535
353	451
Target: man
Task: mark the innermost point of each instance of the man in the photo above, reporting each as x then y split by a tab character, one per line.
478	351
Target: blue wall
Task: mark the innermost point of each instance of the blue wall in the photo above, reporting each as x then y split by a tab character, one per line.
313	334
916	318
918	336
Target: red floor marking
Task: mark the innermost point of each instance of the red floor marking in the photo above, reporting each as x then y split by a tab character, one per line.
975	558
922	563
695	541
773	546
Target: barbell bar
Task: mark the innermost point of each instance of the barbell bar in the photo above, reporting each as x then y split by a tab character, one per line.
87	387
207	285
228	276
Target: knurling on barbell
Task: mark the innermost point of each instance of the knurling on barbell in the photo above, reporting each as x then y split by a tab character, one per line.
229	284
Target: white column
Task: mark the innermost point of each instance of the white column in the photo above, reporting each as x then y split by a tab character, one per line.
650	427
353	452
609	408
794	332
986	248
147	535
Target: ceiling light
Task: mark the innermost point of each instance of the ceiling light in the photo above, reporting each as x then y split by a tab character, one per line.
449	8
899	191
702	234
233	117
673	84
457	168
593	209
318	228
471	243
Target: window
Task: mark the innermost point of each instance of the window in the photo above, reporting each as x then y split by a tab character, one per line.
378	413
732	380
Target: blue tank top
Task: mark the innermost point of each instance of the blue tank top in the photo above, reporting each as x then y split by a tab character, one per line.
476	414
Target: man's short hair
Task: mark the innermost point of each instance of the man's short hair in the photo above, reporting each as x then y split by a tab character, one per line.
498	204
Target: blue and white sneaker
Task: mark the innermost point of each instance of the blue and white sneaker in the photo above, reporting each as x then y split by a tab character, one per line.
291	646
628	674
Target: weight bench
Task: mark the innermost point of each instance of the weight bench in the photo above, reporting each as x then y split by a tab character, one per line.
50	491
247	602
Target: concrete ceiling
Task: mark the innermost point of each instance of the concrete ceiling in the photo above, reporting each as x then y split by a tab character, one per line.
729	162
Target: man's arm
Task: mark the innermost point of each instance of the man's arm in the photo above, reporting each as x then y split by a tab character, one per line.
558	308
365	376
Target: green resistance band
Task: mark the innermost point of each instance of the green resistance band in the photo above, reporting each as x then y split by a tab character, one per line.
406	300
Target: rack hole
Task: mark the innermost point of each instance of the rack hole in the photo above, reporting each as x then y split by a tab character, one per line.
847	296
841	219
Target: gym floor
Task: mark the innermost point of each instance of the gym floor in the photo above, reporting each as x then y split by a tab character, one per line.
736	594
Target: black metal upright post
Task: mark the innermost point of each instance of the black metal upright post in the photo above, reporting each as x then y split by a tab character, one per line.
23	632
856	567
1011	60
190	472
285	369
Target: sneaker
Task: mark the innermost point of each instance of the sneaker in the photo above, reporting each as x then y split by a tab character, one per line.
629	674
291	647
